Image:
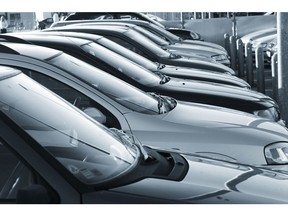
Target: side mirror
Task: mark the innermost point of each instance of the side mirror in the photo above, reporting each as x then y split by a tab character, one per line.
95	114
33	194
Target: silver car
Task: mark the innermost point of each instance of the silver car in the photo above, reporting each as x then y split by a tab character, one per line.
258	34
142	45
170	70
187	50
161	32
156	120
52	153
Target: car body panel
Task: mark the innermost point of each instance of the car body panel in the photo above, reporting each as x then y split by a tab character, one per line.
150	51
240	184
205	180
150	27
173	71
186	90
183	33
188	124
186	50
255	35
214	77
263	42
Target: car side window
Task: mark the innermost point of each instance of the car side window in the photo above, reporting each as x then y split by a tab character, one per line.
14	175
16	178
8	163
78	99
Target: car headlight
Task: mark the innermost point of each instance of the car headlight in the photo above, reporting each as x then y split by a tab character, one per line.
276	153
221	57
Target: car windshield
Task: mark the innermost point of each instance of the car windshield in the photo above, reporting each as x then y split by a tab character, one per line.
122	65
146	63
120	91
147	43
164	32
151	36
87	149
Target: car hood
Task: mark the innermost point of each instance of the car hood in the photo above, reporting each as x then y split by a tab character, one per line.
202	43
263	41
196	49
215	89
217	131
201	64
215	182
254	35
190	53
205	75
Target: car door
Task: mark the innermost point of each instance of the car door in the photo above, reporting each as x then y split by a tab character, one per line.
18	179
14	175
28	176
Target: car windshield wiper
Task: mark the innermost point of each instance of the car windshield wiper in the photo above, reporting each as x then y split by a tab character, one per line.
129	143
163	77
174	56
160	66
161	103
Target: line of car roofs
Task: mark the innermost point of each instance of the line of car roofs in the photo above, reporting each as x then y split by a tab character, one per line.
179	96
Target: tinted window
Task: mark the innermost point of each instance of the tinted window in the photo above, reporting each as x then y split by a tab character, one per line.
76	98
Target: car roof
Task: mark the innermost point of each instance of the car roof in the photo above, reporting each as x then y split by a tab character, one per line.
119	29
56	39
6	72
89	15
127	24
135	22
38	52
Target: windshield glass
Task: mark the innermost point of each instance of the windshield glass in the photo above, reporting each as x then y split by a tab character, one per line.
120	91
164	32
152	36
83	146
111	45
146	63
123	65
147	43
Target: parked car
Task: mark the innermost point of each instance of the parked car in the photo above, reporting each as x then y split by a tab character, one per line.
186	90
154	17
173	71
45	23
161	32
262	42
183	33
257	34
68	158
156	120
145	47
186	50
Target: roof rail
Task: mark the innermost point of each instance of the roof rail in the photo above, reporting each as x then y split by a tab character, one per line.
5	49
9	38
